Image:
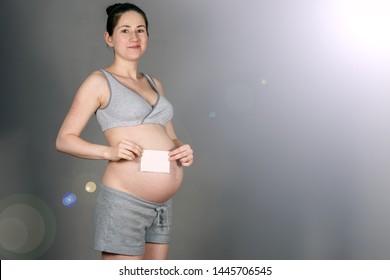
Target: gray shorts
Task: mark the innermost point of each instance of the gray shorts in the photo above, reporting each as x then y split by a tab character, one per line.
125	223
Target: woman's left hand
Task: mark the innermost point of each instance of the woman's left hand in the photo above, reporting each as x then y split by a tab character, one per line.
184	154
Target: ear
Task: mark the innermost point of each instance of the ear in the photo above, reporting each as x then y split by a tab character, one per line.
108	39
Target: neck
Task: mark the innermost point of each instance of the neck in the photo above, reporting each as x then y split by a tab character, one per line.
127	69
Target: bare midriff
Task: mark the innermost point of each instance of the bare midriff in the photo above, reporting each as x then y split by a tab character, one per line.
125	175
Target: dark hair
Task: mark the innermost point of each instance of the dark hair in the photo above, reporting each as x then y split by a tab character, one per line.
115	11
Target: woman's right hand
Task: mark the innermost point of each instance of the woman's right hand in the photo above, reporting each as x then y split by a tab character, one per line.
124	149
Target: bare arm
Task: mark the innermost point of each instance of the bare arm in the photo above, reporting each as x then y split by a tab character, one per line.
88	99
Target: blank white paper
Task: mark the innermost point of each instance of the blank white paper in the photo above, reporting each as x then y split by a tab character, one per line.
155	161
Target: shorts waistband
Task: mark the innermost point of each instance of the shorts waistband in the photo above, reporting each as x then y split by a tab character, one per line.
161	209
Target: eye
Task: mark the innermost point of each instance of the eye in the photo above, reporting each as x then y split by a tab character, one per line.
125	31
141	30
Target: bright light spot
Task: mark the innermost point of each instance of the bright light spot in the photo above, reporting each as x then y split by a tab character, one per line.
90	187
263	82
365	22
69	199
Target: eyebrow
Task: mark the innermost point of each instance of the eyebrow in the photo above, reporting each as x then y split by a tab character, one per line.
130	26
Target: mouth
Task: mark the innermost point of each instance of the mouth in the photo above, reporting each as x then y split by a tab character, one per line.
134	47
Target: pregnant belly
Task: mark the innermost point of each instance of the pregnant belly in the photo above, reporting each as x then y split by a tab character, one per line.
127	176
156	187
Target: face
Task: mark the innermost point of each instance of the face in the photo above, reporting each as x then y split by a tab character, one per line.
129	38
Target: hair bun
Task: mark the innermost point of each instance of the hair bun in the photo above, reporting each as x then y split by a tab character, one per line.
112	7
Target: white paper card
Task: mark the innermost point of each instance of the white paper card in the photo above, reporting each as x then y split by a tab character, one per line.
155	161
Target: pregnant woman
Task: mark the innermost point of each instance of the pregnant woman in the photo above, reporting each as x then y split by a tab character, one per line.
145	157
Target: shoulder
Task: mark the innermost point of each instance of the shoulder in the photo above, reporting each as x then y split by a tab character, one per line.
94	87
158	84
95	79
95	83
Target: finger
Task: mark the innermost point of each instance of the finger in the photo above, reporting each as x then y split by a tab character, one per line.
126	157
179	150
182	158
174	152
126	154
187	159
137	151
186	162
130	146
180	153
179	156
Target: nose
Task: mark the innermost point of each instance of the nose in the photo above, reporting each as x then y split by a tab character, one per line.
133	36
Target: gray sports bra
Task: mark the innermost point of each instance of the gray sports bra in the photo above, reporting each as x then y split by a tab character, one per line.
127	108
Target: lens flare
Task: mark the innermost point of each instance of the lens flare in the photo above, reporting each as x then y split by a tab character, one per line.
90	187
27	227
69	199
212	115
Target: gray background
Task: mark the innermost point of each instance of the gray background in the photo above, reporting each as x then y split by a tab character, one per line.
286	104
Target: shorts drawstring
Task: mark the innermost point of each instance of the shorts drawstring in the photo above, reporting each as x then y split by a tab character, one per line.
162	216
